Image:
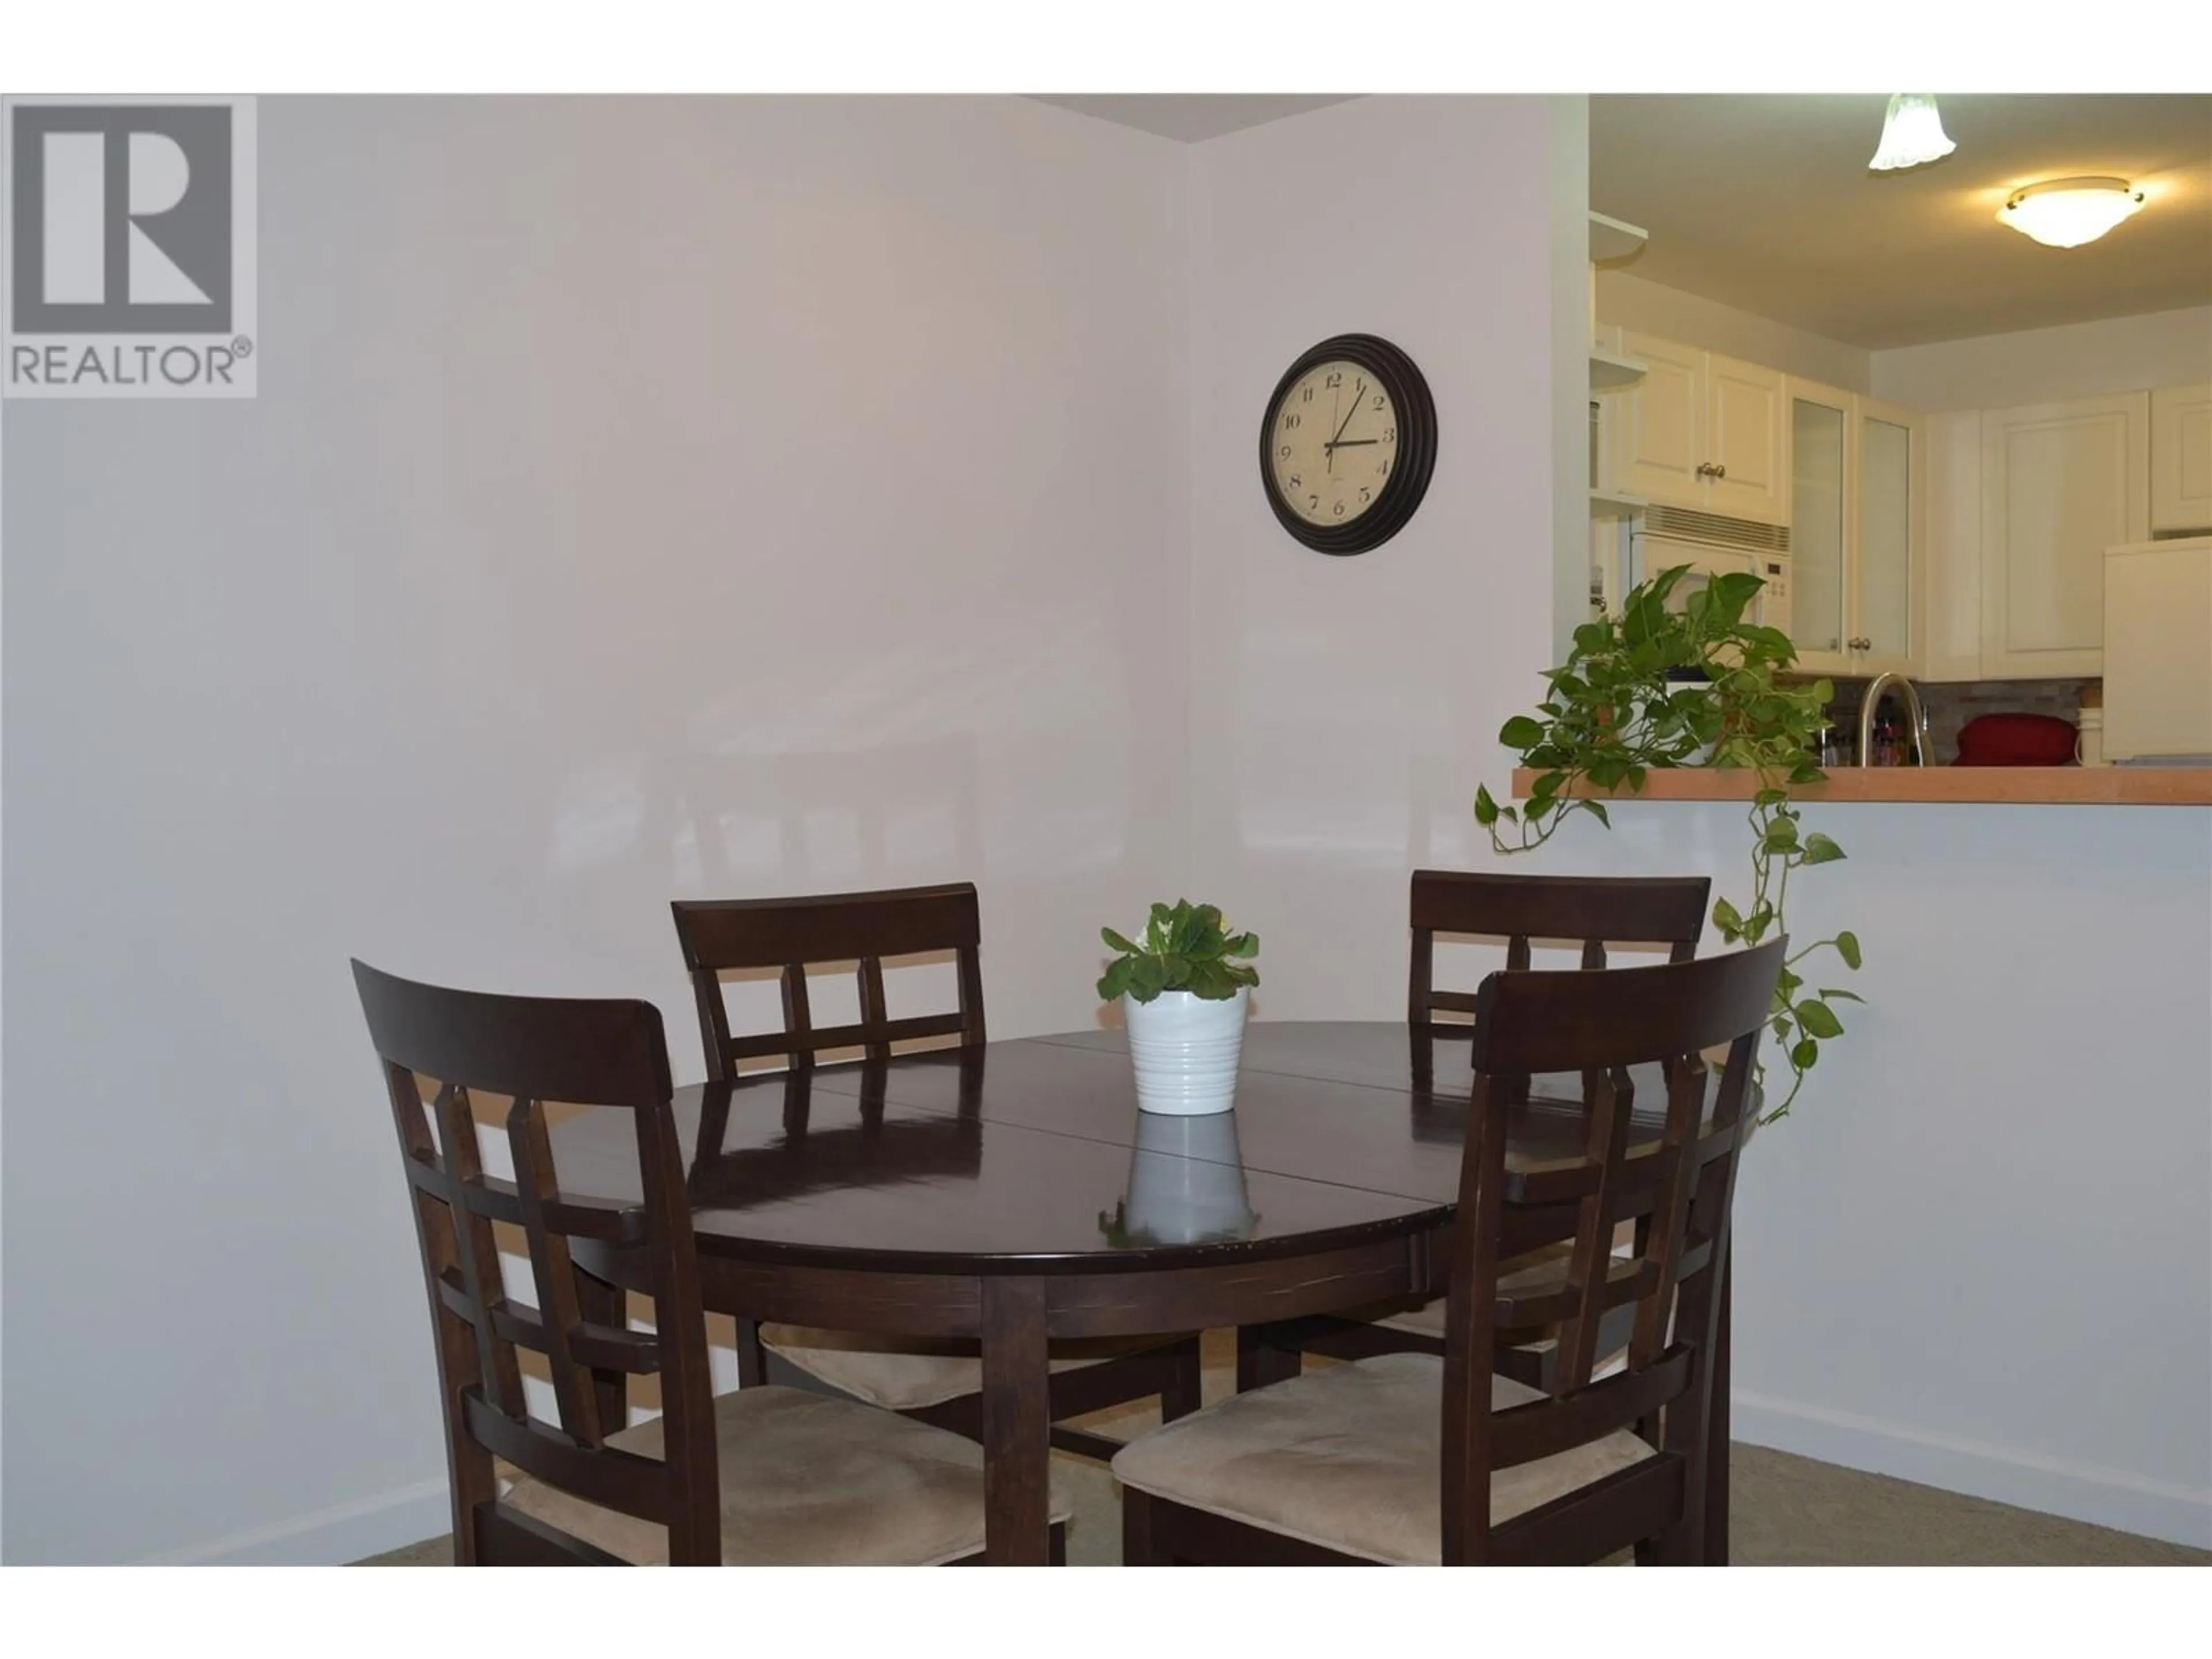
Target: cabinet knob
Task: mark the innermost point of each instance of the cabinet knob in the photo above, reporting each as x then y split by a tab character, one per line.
1861	644
1720	471
1705	469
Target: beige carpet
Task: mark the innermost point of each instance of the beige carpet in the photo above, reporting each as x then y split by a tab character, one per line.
1784	1511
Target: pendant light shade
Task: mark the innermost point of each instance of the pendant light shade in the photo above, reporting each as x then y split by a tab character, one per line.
1912	133
2067	212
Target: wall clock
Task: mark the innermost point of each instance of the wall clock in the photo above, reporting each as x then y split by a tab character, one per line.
1347	444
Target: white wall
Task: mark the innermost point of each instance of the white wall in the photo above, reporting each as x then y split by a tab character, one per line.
644	499
1341	707
1628	300
1975	1255
2079	360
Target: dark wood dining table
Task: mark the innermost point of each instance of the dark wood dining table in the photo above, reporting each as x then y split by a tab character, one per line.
1012	1194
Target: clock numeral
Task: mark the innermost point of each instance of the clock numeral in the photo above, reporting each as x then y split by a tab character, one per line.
1389	435
1305	395
1383	470
1339	509
1285	451
1290	422
1365	493
1378	400
1313	503
1297	481
1334	381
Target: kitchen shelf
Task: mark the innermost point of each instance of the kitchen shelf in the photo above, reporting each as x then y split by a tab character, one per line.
1615	503
2010	786
1611	370
1613	239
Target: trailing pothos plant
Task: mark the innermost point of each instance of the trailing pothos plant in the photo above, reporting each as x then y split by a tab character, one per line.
1660	685
1186	949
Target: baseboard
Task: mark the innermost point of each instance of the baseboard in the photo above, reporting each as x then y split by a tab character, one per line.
2103	1498
332	1537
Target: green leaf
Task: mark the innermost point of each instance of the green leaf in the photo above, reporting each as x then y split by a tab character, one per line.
1787	982
1819	1019
1243	944
1818	849
1727	919
1485	809
1148	978
1521	732
1769	798
1847	947
1117	979
1116	942
1596	810
1848	996
1805	1054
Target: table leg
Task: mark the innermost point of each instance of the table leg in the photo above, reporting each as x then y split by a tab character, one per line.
1259	1362
1017	1424
1716	1423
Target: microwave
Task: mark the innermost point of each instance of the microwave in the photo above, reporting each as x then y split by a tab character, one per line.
1712	544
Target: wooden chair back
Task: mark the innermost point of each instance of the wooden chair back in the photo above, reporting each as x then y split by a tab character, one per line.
1593	910
459	1046
1678	1189
789	934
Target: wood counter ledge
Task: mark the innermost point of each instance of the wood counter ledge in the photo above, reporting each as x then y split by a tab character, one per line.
2014	786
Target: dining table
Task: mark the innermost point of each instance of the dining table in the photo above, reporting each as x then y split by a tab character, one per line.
1012	1193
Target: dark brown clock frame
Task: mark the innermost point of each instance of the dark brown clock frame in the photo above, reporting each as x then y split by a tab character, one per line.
1417	445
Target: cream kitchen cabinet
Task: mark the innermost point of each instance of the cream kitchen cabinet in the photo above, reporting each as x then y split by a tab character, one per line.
2060	483
1858	519
1701	430
2181	457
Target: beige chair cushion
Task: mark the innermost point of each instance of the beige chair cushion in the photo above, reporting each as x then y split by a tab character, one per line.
806	1481
1348	1458
904	1374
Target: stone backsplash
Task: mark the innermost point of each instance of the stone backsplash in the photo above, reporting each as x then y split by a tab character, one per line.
1951	705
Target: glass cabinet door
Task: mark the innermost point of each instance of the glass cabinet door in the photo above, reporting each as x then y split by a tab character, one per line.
1819	515
1890	512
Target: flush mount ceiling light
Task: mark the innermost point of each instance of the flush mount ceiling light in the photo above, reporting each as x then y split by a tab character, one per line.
1912	133
2067	212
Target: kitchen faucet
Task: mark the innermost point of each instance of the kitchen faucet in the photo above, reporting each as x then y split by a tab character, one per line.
1870	704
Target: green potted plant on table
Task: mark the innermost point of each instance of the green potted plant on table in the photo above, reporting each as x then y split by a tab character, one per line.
1661	685
1185	992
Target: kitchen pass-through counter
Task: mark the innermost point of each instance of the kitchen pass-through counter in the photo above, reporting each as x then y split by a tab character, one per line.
2021	785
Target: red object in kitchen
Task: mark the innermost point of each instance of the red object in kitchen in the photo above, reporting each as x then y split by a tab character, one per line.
2016	740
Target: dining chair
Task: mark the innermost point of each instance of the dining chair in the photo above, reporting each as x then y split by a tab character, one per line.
1416	1458
762	1476
935	1382
1584	911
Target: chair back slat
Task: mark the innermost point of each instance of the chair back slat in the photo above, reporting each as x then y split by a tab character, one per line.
789	934
1591	910
1676	1190
461	1048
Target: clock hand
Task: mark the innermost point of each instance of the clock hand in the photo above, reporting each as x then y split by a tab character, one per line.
1352	443
1348	414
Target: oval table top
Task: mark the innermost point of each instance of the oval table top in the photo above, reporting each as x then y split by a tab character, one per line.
1030	1155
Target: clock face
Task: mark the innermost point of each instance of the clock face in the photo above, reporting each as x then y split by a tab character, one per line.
1335	441
1347	444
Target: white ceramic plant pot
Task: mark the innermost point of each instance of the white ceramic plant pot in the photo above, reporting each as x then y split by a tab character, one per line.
1185	1049
1186	1179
